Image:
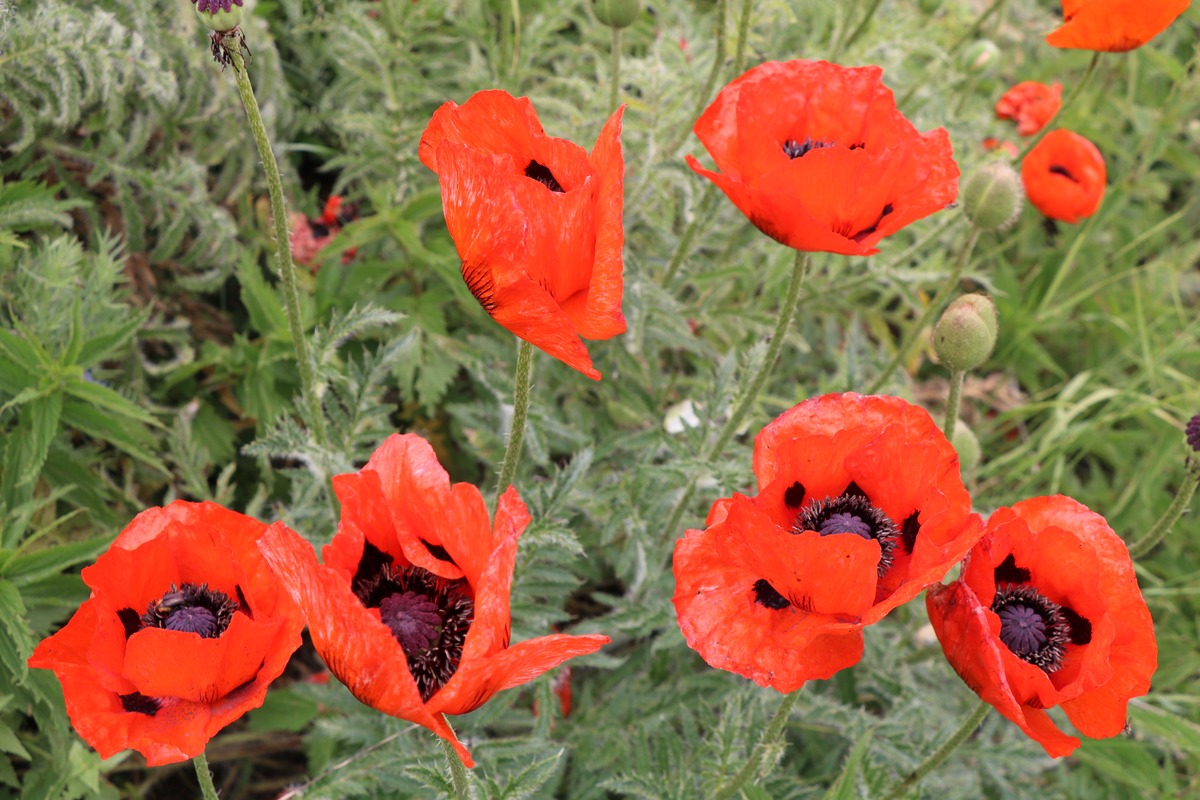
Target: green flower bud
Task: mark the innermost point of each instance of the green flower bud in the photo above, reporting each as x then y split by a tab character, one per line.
219	15
966	333
980	56
992	197
930	6
617	13
966	443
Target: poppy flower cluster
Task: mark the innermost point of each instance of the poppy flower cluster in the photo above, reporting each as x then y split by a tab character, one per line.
1048	614
536	221
859	508
819	158
411	607
185	629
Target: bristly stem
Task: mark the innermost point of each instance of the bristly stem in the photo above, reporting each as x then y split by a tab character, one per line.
703	209
942	753
934	307
786	311
207	790
766	742
459	777
1066	103
614	91
516	435
1183	498
952	403
283	250
710	82
739	56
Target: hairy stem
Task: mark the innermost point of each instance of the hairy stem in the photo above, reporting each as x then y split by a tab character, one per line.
207	790
516	435
703	209
283	250
952	403
614	90
1066	103
459	777
770	736
1183	498
710	82
942	753
743	31
935	306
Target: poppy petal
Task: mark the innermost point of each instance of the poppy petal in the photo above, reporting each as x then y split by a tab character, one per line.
1114	25
601	316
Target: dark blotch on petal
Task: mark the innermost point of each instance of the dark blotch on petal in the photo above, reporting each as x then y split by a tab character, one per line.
369	566
245	606
765	595
1009	572
132	621
438	552
1055	169
909	531
542	174
1079	630
854	490
794	496
137	703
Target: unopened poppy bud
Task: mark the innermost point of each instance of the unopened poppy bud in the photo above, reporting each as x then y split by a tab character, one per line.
967	445
966	333
219	15
617	13
930	6
980	56
992	197
1193	433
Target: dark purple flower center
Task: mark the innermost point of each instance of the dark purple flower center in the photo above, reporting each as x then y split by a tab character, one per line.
542	174
795	149
193	609
428	615
852	512
1032	626
213	6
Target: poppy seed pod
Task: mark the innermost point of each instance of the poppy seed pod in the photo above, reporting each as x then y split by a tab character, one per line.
219	15
616	13
966	333
992	197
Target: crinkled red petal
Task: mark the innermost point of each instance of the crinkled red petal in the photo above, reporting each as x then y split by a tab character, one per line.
1114	25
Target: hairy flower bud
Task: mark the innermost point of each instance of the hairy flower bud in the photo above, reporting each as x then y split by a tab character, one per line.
219	15
980	56
966	443
617	13
966	333
992	197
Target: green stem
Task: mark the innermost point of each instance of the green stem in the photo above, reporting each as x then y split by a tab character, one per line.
614	90
771	735
207	790
703	209
858	31
952	402
283	250
672	526
516	435
970	34
1065	267
786	312
739	57
710	82
514	67
1066	103
459	776
1183	498
942	753
933	308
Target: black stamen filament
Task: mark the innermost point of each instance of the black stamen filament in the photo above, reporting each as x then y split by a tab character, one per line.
1032	626
852	512
190	608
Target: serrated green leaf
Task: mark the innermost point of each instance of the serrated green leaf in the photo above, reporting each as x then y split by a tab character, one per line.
283	710
132	439
28	567
105	398
846	786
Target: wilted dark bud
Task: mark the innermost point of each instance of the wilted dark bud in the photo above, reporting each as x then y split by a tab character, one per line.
1193	433
966	333
992	196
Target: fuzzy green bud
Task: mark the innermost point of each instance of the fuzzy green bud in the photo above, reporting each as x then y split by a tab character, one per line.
992	197
930	6
219	15
966	333
617	13
981	56
966	444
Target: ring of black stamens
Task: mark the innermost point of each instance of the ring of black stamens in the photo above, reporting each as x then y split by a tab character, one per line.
429	616
1032	626
795	149
193	609
830	516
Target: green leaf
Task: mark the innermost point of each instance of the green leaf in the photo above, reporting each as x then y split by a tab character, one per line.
105	398
1180	732
283	710
132	439
846	786
532	778
28	567
16	640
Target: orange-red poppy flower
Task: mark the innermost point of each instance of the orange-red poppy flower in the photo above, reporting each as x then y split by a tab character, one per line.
860	507
536	221
185	628
1031	105
308	237
818	157
1064	176
410	609
1113	25
1048	613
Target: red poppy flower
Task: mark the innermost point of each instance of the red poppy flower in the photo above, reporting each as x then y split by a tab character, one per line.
536	221
1031	105
309	236
818	157
410	609
185	628
1113	25
1048	613
860	507
1064	176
